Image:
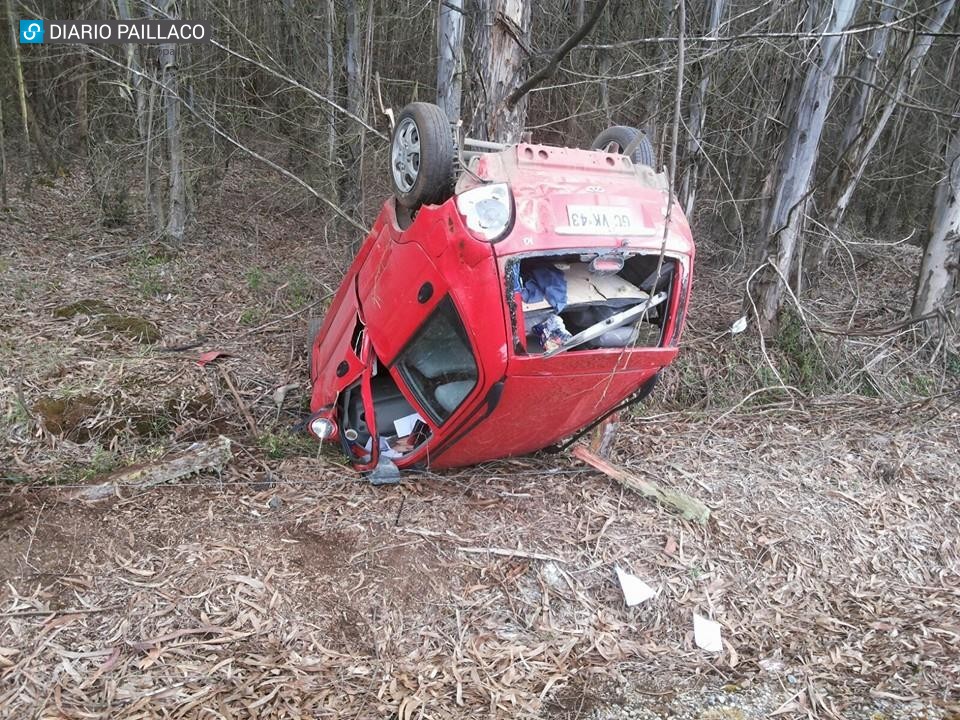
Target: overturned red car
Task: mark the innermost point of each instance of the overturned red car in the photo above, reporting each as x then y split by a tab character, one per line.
503	308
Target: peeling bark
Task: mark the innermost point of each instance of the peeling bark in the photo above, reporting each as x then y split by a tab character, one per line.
501	35
450	57
939	277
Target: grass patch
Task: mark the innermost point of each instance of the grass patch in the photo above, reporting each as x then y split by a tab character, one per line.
803	366
255	278
251	316
282	444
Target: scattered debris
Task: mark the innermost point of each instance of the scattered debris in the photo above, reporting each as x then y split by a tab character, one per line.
280	394
209	356
690	508
739	326
199	457
635	590
706	633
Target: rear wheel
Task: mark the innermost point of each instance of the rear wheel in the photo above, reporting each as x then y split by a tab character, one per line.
422	156
618	138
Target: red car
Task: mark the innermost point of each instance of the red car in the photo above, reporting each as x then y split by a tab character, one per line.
502	311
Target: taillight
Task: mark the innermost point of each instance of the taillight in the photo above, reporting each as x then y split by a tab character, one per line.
487	210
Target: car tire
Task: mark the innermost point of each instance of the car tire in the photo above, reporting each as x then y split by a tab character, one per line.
422	156
313	329
616	139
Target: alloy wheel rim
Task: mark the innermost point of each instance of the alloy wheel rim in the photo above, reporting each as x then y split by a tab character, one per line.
405	155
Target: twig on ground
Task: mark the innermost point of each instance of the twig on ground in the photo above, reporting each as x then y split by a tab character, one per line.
57	613
241	405
506	552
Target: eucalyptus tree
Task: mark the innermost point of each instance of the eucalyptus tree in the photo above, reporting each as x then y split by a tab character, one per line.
776	243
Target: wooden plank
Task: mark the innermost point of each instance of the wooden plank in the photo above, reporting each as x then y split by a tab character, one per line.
690	508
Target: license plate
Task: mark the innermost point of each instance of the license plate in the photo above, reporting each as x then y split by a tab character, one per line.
603	220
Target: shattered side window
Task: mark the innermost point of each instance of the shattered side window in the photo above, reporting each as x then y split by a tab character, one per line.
438	365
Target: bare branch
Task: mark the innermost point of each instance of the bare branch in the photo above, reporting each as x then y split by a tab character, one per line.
233	141
551	67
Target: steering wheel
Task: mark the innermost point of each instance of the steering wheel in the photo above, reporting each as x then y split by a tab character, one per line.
611	323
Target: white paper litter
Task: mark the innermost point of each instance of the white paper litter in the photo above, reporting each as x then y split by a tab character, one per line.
385	449
739	326
404	426
635	590
706	633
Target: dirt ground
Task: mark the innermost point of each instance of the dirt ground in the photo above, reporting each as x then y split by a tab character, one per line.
287	586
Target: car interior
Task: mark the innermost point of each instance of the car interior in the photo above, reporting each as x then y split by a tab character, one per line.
591	292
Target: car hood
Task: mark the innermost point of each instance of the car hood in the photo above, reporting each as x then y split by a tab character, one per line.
545	181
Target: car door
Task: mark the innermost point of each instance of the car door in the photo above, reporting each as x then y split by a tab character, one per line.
418	336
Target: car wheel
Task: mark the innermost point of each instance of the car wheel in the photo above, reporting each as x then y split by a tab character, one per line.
618	138
313	329
422	156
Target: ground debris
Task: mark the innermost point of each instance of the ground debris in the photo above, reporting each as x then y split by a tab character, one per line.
104	317
200	457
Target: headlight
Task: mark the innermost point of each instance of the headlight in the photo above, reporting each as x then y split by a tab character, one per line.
323	428
487	210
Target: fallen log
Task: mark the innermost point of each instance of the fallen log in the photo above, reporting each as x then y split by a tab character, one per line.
200	456
689	508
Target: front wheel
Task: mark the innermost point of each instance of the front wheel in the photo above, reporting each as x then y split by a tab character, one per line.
422	156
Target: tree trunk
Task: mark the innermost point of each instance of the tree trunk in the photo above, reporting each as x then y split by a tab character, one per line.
81	108
794	170
939	277
143	98
851	170
177	198
500	37
3	161
450	57
21	94
696	119
865	76
150	187
331	90
350	135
